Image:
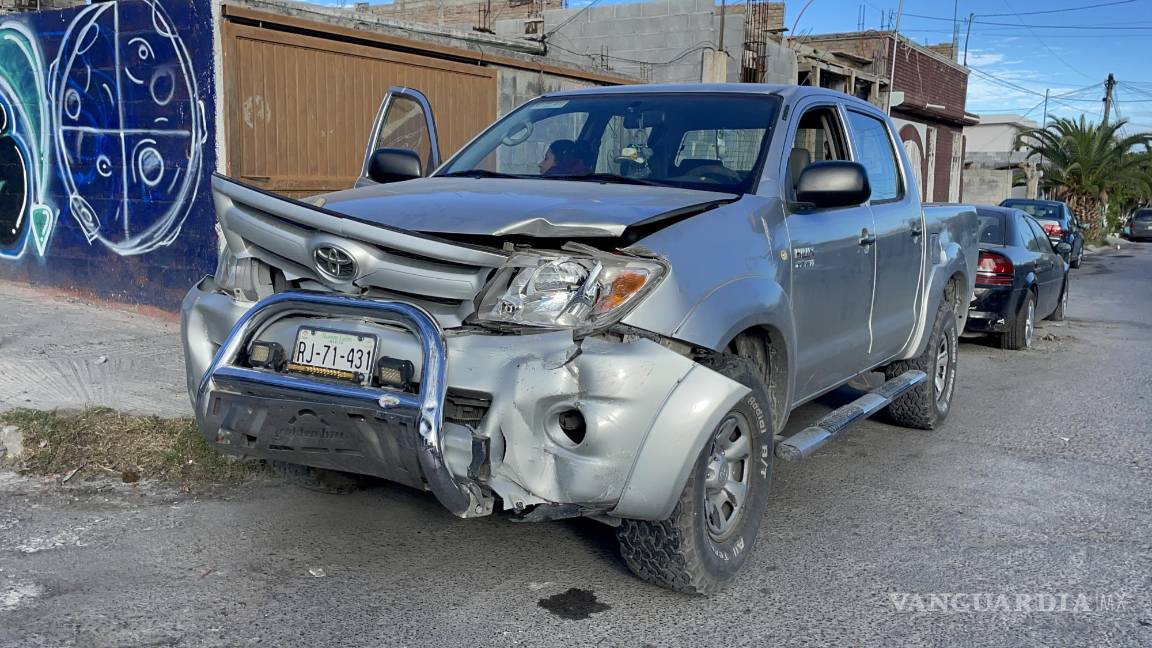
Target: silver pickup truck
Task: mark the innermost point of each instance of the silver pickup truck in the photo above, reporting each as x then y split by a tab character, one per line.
605	305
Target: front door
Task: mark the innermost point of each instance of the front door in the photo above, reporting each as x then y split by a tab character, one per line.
832	265
405	121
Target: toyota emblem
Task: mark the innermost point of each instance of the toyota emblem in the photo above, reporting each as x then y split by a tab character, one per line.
335	263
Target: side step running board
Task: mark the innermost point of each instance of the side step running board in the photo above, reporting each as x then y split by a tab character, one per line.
804	443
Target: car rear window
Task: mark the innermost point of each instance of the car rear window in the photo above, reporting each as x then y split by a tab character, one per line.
992	229
1039	211
1143	216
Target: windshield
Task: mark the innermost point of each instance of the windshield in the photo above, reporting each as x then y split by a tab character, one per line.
714	142
1039	211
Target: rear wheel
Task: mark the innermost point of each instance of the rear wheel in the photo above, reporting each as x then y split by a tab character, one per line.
1023	327
1075	263
926	405
701	547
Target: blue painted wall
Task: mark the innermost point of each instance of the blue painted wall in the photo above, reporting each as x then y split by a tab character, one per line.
107	146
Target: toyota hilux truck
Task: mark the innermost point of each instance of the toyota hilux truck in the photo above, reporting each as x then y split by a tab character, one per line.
605	305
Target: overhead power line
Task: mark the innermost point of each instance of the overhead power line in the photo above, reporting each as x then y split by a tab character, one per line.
1045	44
1065	10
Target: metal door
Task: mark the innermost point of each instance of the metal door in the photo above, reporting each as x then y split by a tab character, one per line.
832	264
899	250
405	121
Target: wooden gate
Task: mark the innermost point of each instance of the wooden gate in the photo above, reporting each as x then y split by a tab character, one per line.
299	108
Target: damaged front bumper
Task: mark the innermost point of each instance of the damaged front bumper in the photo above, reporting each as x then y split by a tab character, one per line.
487	420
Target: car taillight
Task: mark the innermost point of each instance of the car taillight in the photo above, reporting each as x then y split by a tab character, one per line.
994	270
1053	230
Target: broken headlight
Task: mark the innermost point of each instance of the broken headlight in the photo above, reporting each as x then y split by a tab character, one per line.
243	279
556	290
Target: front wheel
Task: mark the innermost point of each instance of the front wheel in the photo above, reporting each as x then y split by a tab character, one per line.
710	534
1075	263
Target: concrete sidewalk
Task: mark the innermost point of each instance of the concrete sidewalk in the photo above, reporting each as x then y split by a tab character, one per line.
61	351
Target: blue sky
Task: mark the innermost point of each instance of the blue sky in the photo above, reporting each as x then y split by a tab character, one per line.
1015	52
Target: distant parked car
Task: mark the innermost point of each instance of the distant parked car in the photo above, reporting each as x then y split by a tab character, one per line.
1058	221
1021	275
1140	227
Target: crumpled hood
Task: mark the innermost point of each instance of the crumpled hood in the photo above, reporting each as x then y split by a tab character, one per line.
507	206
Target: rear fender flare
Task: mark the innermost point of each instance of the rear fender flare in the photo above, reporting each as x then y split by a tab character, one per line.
949	261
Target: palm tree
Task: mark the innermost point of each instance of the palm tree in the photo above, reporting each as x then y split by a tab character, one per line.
1086	163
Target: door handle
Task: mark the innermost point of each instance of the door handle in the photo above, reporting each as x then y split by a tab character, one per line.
867	238
917	230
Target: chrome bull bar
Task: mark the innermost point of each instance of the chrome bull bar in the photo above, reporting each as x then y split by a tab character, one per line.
462	498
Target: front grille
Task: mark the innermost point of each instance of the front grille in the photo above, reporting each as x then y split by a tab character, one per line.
442	277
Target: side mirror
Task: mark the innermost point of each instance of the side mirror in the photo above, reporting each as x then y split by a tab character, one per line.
825	185
1063	248
394	165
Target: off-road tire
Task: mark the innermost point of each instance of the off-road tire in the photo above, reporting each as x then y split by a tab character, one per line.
321	480
921	407
680	553
1017	336
1060	313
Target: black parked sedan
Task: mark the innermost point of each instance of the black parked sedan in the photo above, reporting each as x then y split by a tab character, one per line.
1058	221
1021	276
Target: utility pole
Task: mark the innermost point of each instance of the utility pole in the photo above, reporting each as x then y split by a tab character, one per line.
1109	84
723	7
1043	125
955	30
967	37
892	67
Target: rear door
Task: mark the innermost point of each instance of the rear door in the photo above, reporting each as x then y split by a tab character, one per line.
899	220
832	262
404	121
1048	265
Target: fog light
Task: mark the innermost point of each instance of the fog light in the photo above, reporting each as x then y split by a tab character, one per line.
266	355
396	373
573	426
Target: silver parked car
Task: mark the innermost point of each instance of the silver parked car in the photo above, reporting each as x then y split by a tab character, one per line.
605	305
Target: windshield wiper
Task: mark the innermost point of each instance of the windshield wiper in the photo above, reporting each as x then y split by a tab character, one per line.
481	173
607	178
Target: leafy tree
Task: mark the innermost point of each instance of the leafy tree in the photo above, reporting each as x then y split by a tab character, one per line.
1087	164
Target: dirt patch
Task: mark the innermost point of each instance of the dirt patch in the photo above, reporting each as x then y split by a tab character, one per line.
100	442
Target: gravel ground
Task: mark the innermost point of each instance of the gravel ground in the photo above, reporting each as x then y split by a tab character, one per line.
1038	486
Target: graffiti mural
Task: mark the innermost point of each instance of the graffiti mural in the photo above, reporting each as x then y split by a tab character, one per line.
103	160
24	137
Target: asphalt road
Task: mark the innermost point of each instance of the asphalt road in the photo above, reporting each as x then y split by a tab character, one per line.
1038	486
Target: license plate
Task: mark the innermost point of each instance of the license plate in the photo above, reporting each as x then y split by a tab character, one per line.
331	354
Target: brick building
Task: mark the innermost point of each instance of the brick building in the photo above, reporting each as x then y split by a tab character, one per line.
929	96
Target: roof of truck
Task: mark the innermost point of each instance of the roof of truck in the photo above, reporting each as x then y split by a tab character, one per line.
786	91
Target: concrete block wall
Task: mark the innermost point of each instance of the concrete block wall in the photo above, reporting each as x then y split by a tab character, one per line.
986	186
106	148
661	41
458	14
13	6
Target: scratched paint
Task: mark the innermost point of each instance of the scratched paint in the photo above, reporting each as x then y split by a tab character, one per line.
105	152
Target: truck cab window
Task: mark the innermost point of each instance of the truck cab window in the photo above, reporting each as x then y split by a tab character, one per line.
874	148
819	137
